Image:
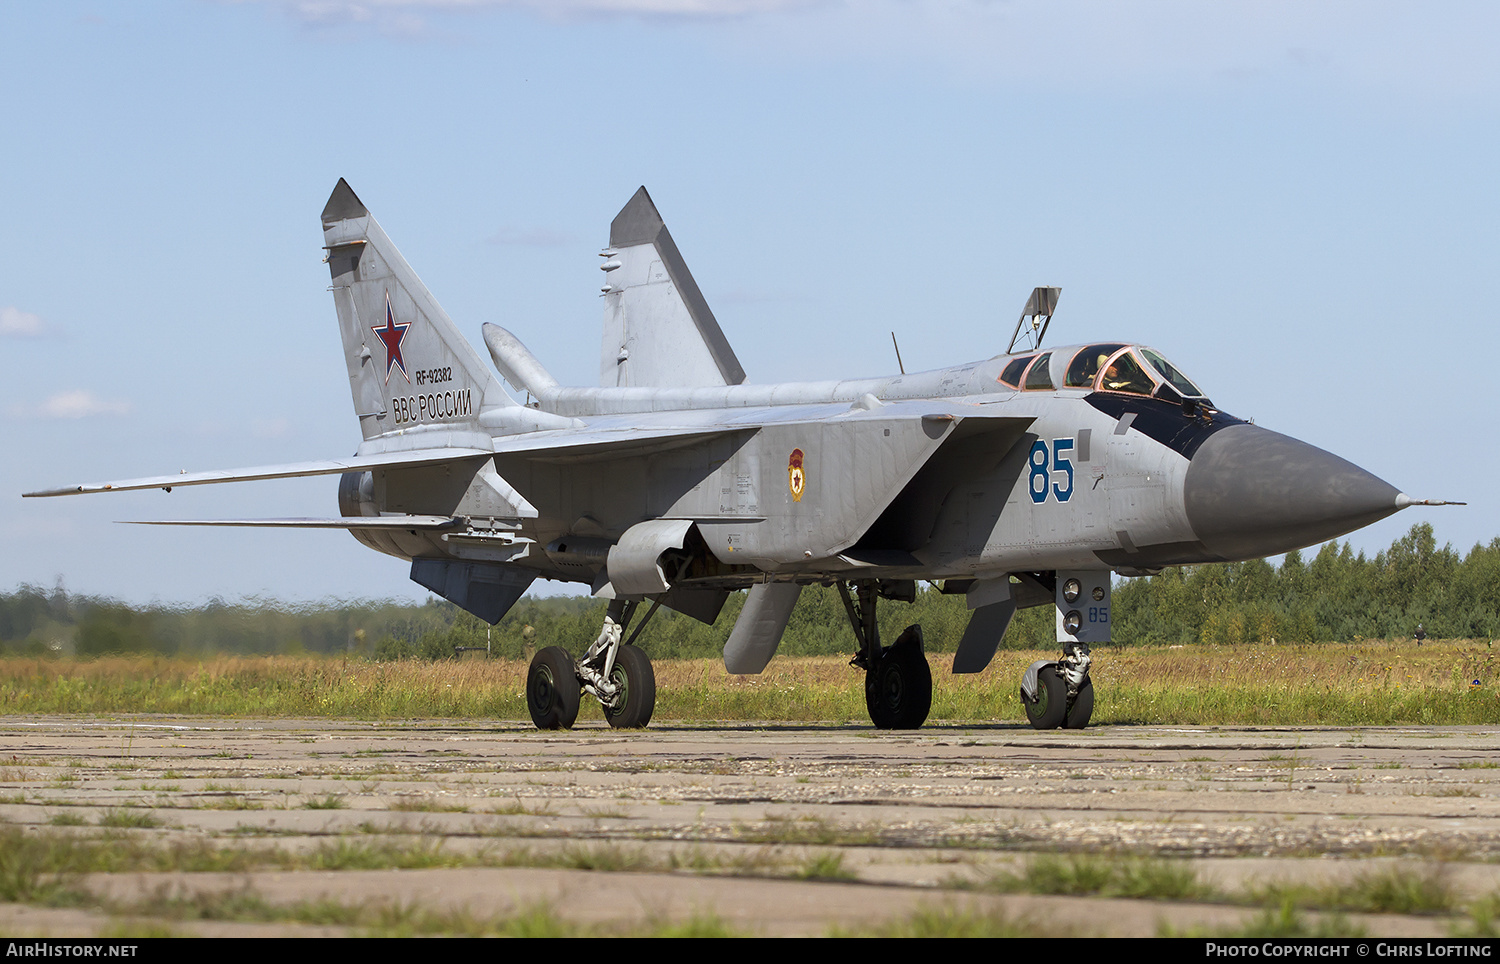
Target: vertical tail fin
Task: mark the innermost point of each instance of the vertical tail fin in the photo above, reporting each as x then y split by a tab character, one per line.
658	329
408	365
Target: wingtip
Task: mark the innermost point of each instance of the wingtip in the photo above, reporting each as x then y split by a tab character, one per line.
343	204
48	493
638	221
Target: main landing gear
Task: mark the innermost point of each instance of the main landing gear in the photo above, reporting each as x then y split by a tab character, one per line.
898	682
618	676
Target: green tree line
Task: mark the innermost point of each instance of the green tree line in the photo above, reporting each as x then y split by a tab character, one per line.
1339	595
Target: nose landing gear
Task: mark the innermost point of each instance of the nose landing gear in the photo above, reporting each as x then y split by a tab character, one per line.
1059	693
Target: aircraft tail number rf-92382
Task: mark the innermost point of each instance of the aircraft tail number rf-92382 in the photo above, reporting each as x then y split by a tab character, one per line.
1025	479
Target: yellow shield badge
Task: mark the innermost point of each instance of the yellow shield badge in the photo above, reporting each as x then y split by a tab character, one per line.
796	475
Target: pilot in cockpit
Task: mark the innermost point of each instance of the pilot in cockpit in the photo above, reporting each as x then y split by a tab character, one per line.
1125	375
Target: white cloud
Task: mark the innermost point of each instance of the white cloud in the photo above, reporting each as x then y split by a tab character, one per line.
15	323
1383	46
79	403
406	17
706	9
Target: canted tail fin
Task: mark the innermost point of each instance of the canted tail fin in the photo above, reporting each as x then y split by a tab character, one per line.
658	329
408	365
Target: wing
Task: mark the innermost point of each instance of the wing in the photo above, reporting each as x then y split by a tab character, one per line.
572	443
407	459
432	523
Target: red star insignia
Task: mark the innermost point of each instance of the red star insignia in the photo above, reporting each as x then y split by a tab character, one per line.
392	334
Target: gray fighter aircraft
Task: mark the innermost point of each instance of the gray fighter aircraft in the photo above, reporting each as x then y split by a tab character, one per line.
1025	479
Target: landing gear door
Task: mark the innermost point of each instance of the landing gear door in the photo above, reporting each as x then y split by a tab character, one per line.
634	563
1083	606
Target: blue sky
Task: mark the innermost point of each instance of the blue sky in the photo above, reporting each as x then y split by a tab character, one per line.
1296	202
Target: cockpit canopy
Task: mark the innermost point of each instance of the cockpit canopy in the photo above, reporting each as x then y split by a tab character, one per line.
1105	367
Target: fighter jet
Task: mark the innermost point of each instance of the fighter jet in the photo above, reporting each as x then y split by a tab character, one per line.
1026	479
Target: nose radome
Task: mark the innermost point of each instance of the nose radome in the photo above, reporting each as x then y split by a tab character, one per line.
1252	492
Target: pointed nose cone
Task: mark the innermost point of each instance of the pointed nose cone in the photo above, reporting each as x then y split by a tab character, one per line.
1251	493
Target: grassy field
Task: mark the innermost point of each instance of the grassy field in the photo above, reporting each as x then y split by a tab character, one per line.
1366	683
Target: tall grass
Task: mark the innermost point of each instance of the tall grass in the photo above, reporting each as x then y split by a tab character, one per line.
1358	684
265	686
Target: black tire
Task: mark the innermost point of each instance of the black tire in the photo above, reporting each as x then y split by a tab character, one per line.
1051	707
898	690
637	680
552	689
1082	709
